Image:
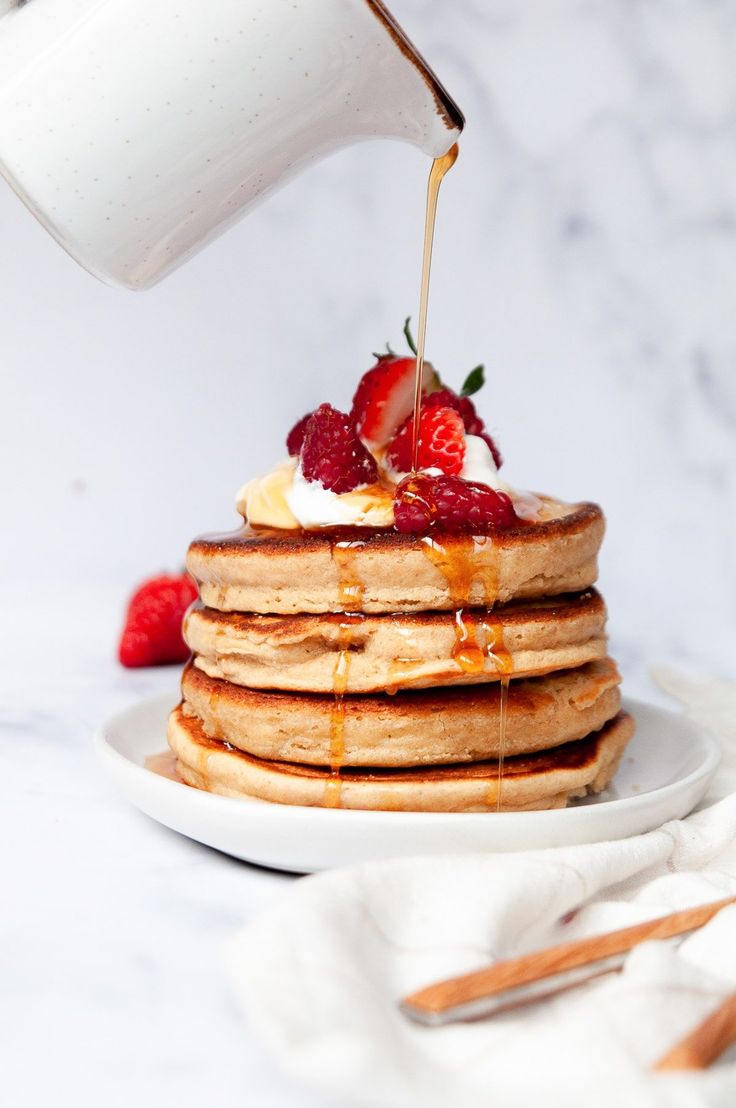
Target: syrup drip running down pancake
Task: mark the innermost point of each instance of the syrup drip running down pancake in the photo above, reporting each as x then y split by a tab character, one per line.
302	653
531	782
430	726
287	572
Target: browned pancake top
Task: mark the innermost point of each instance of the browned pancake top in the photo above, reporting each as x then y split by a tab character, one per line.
528	694
248	540
573	755
549	610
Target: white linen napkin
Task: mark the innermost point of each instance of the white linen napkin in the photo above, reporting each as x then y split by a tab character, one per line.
319	972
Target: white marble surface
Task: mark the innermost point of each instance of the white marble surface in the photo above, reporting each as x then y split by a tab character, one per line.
111	927
586	251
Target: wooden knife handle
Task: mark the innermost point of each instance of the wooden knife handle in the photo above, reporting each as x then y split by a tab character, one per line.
543	963
706	1043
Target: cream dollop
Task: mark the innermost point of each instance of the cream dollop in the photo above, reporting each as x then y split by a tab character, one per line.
479	464
285	499
263	502
315	506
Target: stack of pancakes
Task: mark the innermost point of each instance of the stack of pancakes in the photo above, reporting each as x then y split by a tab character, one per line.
378	670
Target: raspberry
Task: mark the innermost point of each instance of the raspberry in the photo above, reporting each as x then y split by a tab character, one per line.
152	633
450	504
295	438
497	455
441	442
446	398
471	419
333	454
443	398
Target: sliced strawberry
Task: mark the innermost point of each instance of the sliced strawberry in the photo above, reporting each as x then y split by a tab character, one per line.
441	442
423	503
332	453
385	397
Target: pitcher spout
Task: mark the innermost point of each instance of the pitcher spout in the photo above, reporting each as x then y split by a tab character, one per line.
417	105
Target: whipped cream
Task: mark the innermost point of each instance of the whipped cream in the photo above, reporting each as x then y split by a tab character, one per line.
315	506
263	502
479	464
285	499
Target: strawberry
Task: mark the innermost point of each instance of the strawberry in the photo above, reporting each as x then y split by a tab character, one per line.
441	441
295	438
333	454
422	503
152	633
385	397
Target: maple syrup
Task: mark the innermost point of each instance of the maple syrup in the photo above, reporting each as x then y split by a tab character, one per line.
502	713
440	166
333	789
457	557
164	764
464	563
496	647
467	652
340	678
349	584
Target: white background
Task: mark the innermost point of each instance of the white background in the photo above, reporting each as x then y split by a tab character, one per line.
586	251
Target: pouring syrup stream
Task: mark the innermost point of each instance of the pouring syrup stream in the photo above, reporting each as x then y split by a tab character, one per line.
467	653
440	166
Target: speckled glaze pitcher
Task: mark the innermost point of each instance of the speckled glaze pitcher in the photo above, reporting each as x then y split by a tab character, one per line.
138	130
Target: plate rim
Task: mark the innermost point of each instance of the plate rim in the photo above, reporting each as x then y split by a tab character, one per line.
284	812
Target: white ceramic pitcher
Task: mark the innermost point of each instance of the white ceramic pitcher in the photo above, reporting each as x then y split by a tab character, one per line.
138	130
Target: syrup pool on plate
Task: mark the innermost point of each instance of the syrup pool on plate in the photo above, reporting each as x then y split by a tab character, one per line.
164	764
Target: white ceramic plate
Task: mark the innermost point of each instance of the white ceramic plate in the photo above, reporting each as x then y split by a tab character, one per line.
664	774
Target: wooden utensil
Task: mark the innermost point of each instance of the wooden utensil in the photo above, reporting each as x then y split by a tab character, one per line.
706	1043
543	973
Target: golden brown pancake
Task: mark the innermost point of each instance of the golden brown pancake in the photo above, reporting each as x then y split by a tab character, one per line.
375	653
431	726
284	572
538	781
